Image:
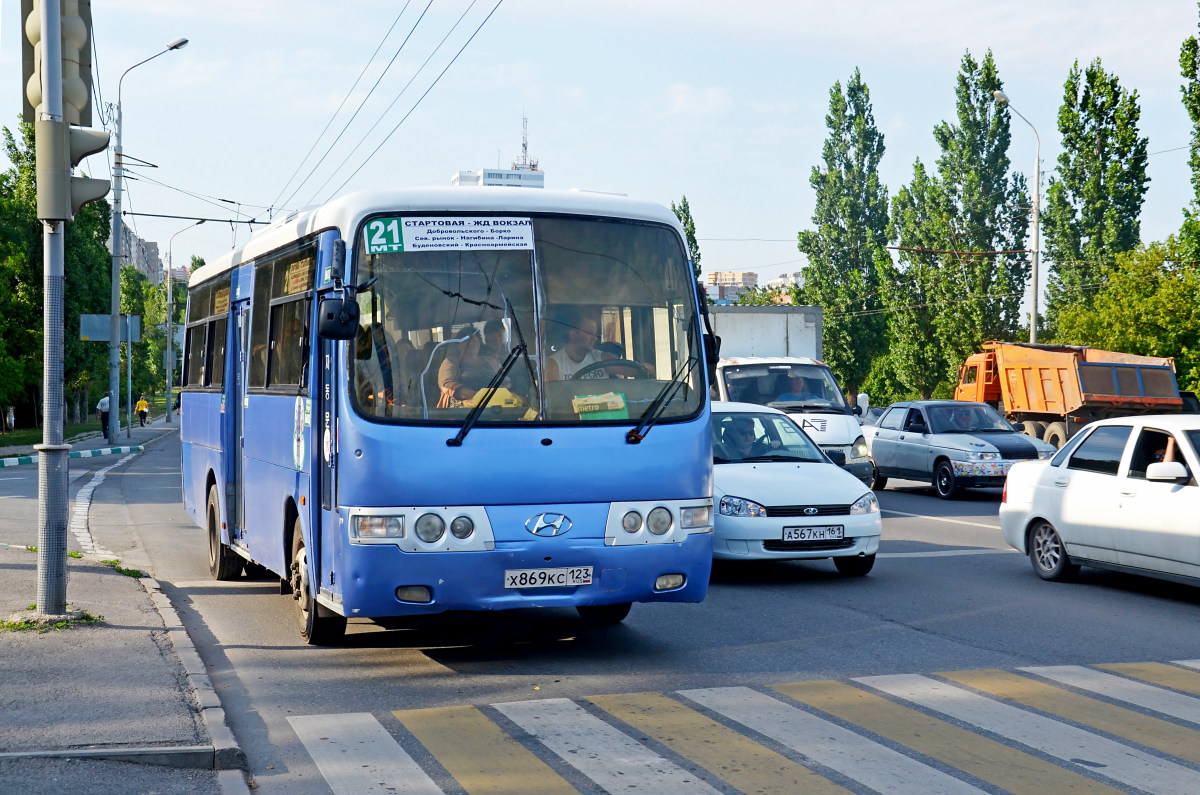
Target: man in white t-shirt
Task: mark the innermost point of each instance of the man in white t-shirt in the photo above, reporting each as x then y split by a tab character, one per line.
578	353
102	407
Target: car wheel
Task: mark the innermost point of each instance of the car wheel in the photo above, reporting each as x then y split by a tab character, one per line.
943	481
857	566
1048	554
317	629
1056	434
223	562
878	481
604	615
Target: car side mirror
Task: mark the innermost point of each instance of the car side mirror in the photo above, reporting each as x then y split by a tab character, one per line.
1168	471
837	457
337	318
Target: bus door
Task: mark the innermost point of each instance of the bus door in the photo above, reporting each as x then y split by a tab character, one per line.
237	408
325	437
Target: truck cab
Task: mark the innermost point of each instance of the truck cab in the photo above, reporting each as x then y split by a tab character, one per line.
806	390
978	381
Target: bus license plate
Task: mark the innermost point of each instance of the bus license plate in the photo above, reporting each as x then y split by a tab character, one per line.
547	578
829	533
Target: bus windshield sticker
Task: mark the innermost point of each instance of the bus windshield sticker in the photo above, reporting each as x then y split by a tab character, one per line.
445	233
297	276
221	301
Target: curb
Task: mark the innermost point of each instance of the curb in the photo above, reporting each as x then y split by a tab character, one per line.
32	459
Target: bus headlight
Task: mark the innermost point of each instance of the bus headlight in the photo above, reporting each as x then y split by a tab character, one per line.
378	527
430	528
659	521
699	516
631	522
462	527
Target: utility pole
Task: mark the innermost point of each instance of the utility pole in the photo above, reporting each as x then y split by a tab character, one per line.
57	67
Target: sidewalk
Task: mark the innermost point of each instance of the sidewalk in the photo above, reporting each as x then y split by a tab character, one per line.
120	705
155	427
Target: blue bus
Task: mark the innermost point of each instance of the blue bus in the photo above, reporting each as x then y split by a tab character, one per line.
411	401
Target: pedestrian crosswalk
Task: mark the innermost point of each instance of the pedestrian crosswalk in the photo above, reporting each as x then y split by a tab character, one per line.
1127	727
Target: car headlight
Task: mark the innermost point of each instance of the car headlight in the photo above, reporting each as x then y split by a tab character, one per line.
859	448
699	516
377	527
867	503
1044	454
736	506
973	455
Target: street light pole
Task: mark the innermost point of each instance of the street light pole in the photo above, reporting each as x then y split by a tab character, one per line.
1002	98
170	349
114	331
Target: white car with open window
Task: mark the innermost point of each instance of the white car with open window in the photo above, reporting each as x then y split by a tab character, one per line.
779	496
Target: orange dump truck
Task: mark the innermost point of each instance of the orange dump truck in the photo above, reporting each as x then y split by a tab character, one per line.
1054	390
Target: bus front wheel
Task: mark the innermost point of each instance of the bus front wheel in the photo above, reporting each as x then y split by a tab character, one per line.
317	629
223	562
604	615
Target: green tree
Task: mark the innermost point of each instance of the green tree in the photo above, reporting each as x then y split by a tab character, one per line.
850	218
683	212
954	286
1094	203
1149	304
1189	67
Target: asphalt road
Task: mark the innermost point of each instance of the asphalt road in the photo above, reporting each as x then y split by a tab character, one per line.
945	594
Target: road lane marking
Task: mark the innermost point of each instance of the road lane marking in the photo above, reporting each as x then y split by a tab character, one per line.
1088	751
79	512
732	757
1119	688
609	757
479	754
355	754
941	519
1189	663
826	743
1147	730
1005	767
1160	674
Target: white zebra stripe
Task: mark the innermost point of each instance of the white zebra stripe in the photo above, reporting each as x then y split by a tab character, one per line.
1089	751
1194	664
827	744
607	756
355	754
1116	687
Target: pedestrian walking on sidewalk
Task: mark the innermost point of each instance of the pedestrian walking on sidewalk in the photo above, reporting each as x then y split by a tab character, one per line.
102	407
143	408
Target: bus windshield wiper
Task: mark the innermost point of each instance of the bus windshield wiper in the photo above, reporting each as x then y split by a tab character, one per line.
488	392
659	404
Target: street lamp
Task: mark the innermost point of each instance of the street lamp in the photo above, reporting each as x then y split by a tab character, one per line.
1002	98
169	365
114	336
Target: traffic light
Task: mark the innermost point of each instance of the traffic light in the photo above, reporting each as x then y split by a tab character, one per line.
59	146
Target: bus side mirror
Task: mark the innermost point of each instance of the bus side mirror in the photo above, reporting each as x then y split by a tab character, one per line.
712	354
337	318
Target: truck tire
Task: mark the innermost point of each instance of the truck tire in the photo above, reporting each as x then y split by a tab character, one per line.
1056	434
1034	428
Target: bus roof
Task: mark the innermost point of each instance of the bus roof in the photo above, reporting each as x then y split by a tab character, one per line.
347	212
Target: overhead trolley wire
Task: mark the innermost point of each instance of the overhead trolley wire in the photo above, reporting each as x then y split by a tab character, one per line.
422	97
329	123
329	149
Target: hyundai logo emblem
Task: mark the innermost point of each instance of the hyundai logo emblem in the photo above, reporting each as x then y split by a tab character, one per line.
811	511
548	524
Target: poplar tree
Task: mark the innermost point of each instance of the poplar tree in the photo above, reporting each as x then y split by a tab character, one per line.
964	282
684	213
1094	203
1189	67
850	218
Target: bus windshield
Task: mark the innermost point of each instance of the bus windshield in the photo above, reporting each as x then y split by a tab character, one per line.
600	314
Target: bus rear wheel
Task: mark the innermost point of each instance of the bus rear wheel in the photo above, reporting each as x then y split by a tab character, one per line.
604	615
223	562
317	629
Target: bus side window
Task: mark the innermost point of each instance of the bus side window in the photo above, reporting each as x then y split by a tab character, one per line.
288	346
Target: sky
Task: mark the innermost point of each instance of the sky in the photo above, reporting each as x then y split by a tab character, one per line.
721	102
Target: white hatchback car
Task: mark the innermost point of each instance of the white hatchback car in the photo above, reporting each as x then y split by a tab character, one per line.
778	496
1122	494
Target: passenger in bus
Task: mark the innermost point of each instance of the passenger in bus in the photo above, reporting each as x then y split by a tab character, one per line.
466	369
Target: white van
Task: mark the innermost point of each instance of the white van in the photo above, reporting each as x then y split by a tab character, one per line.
806	390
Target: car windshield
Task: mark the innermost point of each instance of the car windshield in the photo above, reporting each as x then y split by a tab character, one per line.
785	386
745	436
965	418
600	312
